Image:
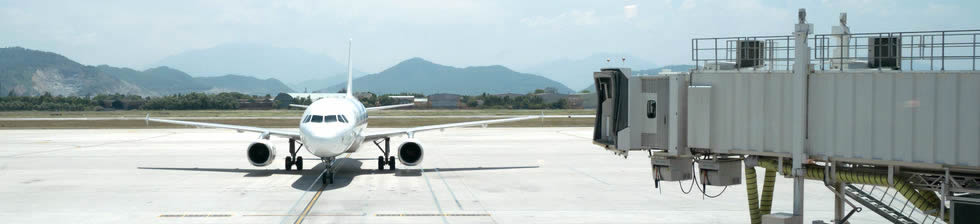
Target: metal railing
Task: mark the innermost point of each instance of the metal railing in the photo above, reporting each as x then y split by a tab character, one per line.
906	51
919	50
714	53
890	198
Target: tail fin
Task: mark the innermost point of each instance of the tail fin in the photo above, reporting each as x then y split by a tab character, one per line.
350	69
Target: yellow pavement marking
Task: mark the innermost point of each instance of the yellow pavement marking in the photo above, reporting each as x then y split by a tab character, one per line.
309	206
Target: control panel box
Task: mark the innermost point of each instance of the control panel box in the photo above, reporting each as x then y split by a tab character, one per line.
720	172
671	168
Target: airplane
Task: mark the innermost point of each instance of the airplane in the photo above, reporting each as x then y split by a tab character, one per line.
335	125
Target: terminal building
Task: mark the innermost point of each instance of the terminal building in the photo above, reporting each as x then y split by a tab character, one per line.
888	121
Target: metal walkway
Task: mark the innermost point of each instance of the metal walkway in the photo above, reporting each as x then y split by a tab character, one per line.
886	204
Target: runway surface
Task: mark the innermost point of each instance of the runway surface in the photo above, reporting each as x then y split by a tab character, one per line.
470	175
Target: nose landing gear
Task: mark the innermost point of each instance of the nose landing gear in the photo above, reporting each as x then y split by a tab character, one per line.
327	177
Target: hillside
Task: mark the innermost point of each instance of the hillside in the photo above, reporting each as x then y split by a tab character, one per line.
417	75
244	84
31	72
157	81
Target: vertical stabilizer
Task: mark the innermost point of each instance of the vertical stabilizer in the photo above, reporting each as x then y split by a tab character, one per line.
350	69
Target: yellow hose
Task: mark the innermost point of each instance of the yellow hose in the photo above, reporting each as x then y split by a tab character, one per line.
924	200
753	193
768	184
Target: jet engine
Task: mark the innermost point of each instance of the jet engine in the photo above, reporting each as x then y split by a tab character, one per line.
261	153
410	152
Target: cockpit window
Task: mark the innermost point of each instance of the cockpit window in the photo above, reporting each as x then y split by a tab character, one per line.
342	118
307	118
317	119
329	118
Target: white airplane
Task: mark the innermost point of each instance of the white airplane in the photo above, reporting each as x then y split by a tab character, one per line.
333	126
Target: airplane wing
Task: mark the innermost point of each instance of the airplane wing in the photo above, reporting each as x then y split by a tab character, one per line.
390	106
264	131
411	131
369	108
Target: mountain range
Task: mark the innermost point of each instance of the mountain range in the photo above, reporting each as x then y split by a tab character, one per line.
417	75
299	68
577	73
32	72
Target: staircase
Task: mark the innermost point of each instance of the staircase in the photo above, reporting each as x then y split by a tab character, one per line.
889	204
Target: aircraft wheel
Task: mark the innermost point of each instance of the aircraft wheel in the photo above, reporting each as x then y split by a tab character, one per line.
299	163
381	162
289	163
391	163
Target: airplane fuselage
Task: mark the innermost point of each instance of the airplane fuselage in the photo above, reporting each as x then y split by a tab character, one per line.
332	126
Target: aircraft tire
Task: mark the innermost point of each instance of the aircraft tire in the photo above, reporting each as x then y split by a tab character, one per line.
299	163
391	163
381	163
289	163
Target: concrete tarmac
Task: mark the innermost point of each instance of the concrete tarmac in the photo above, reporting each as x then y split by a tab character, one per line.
469	175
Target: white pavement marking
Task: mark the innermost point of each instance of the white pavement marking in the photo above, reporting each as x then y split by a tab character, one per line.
434	198
449	188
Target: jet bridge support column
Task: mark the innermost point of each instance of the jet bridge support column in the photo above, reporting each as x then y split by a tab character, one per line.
801	71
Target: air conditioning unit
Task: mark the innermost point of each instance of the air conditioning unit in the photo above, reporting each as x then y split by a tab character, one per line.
885	52
749	53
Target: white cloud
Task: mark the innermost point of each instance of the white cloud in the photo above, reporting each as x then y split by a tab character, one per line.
572	17
688	4
630	11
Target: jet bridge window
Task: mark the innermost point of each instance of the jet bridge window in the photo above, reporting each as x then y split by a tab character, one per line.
317	119
651	109
329	118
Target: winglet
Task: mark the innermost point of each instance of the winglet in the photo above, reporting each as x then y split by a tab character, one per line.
147	119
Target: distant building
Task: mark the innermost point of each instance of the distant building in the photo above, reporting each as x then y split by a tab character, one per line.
264	104
510	95
284	100
588	100
362	95
551	97
316	96
122	104
444	101
421	103
574	101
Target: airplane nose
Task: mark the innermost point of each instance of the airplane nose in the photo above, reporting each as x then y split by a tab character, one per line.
326	142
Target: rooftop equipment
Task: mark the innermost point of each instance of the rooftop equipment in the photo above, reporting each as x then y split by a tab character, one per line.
884	52
750	53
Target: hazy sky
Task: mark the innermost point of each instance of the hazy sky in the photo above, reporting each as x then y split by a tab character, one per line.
458	32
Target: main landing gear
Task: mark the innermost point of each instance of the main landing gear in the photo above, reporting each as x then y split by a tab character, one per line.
386	158
292	159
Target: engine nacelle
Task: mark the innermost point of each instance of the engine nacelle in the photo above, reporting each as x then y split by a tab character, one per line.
261	153
410	153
